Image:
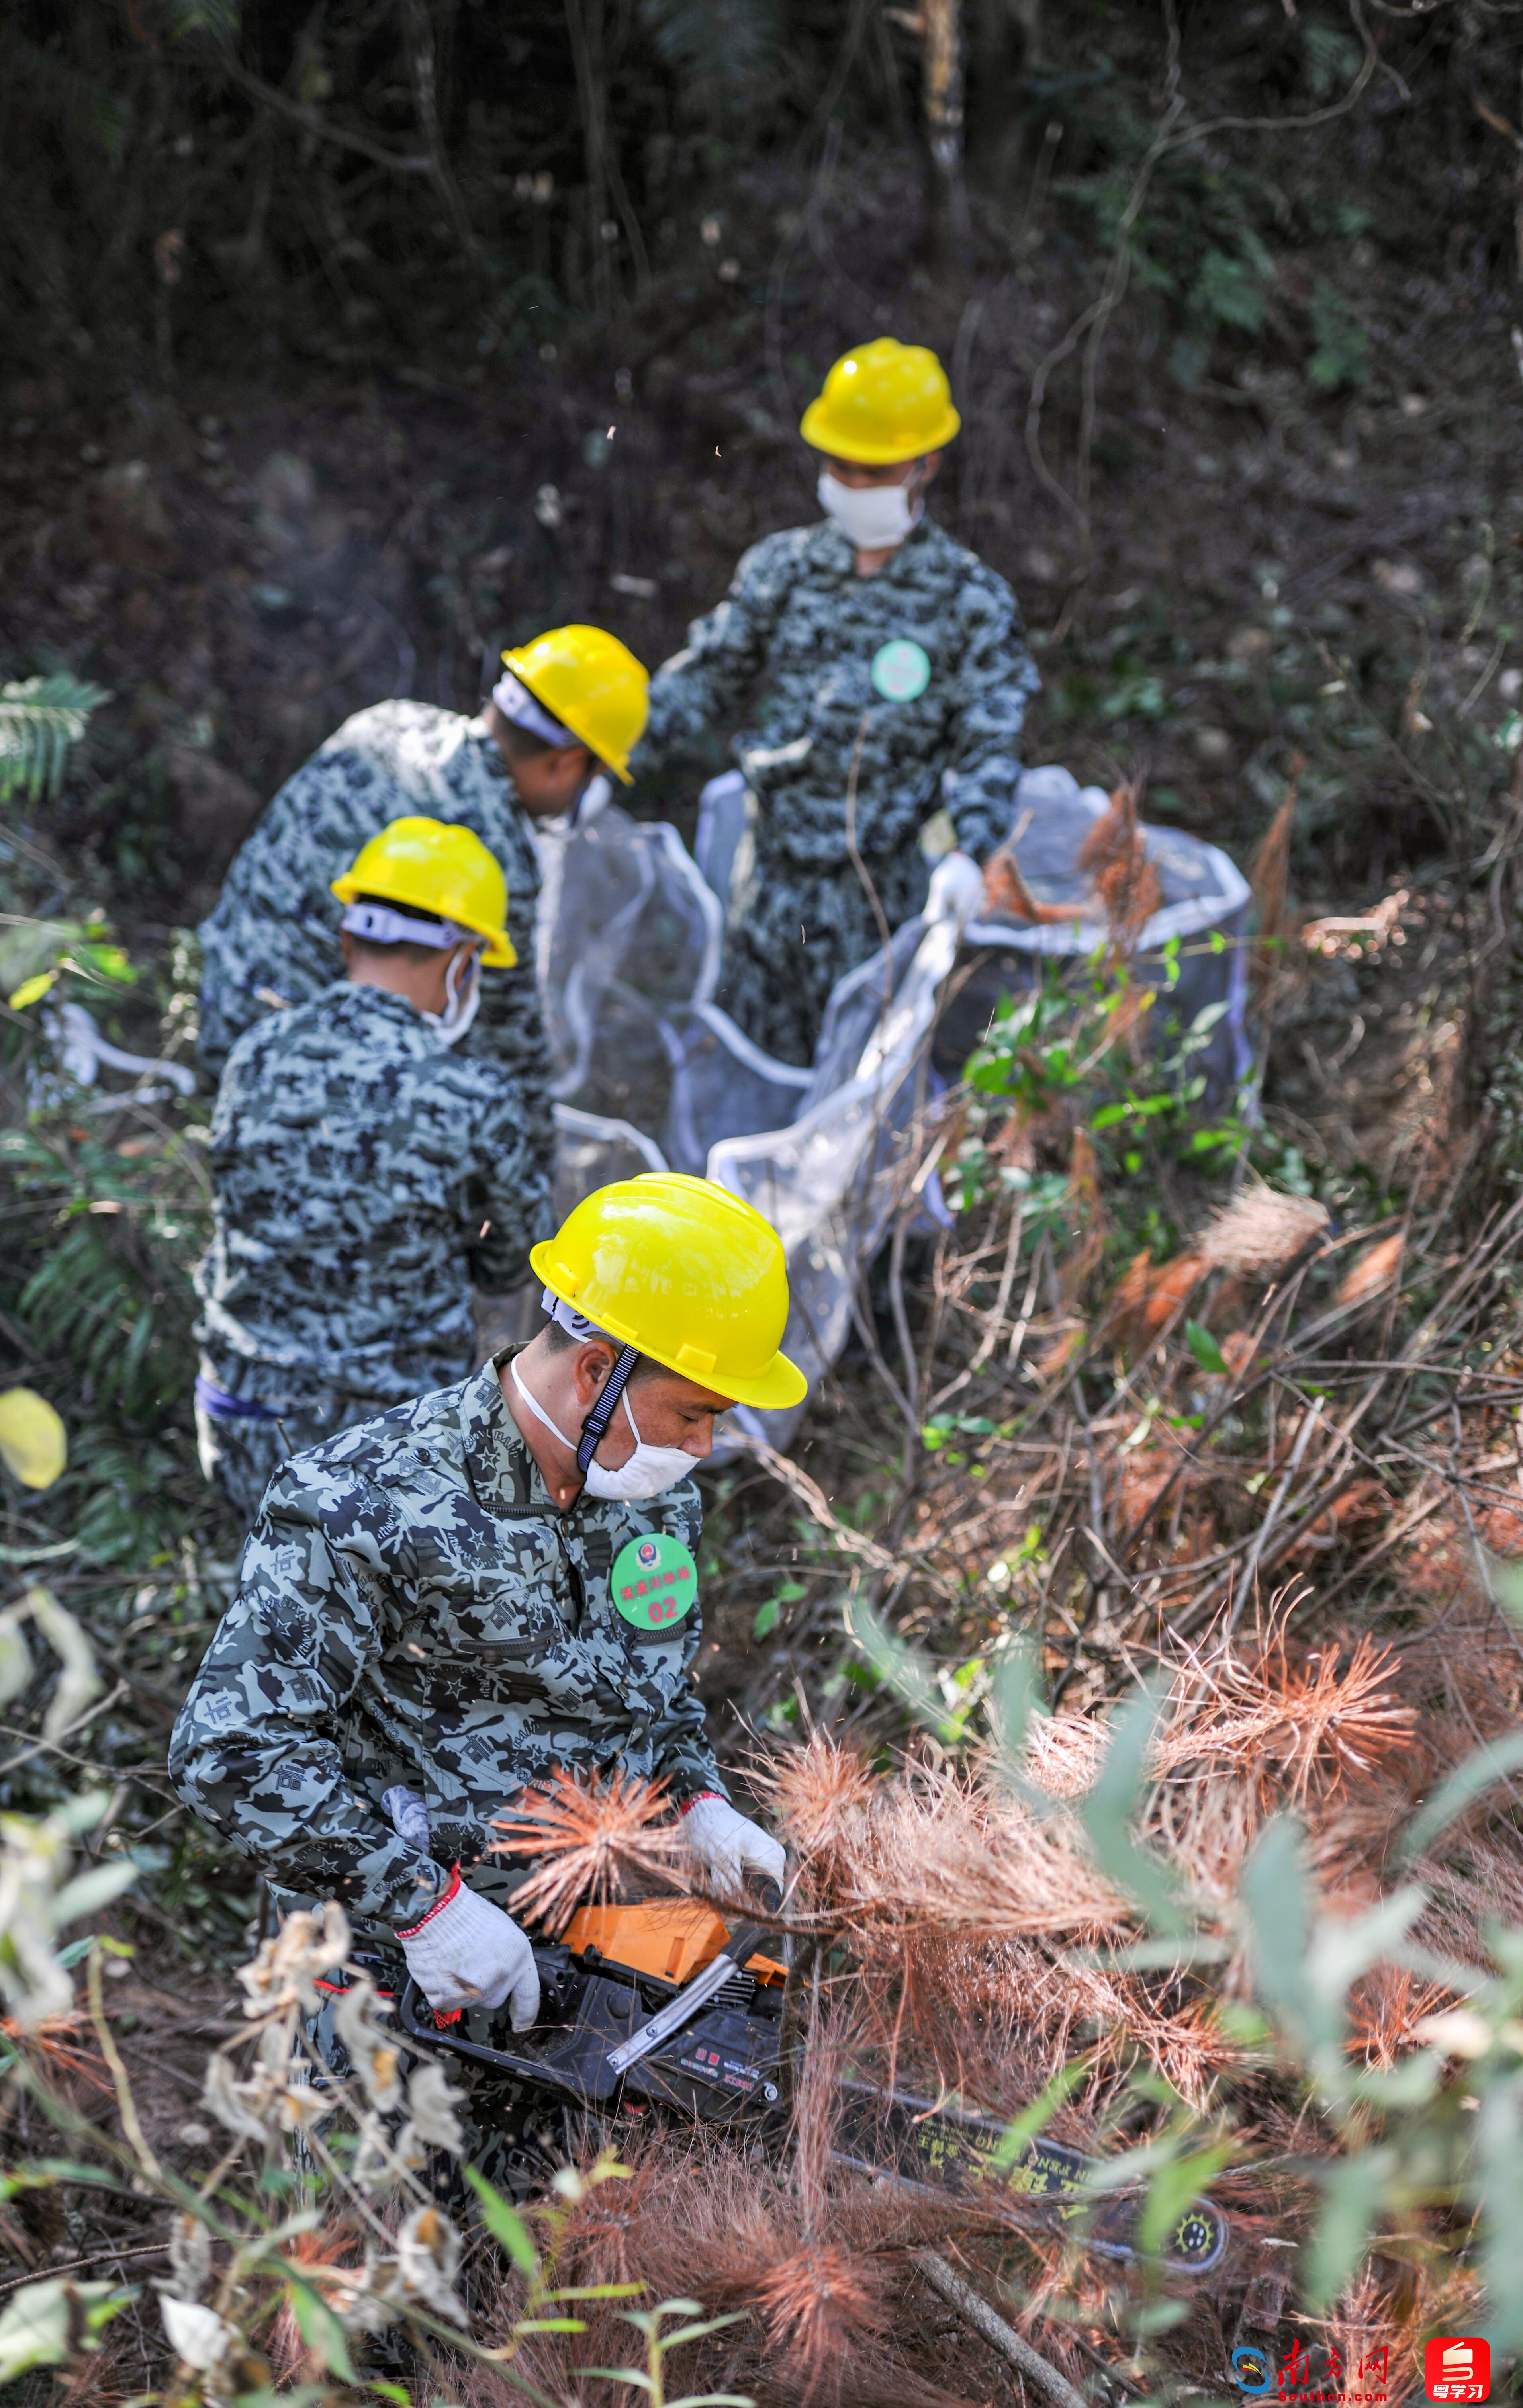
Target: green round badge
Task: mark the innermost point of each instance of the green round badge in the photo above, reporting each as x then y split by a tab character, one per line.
901	670
656	1580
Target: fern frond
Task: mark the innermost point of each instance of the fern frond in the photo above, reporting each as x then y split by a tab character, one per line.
122	1324
40	717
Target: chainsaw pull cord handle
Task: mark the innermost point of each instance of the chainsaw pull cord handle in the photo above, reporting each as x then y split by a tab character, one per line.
746	1938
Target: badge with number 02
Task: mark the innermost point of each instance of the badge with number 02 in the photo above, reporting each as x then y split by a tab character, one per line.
901	670
654	1582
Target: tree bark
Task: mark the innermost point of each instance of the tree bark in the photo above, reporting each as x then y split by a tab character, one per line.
951	227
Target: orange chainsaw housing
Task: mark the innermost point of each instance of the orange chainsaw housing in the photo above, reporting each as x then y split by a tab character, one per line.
671	1938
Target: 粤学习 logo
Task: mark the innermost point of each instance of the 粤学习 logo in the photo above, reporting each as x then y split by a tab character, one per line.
1458	2369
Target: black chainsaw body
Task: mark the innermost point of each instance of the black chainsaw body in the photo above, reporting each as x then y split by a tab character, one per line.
722	2067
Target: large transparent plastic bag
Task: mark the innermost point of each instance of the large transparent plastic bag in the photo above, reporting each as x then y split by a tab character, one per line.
650	1072
626	930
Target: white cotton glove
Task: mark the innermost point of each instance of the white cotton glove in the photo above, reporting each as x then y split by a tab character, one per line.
728	1848
956	888
466	1953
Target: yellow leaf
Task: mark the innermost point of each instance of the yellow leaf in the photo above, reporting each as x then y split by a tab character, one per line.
32	1440
30	989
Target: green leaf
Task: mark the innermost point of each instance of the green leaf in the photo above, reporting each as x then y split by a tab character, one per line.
1107	1809
1172	2186
1469	1781
89	1892
1015	1692
1231	290
1204	1347
766	1618
596	2291
1499	2151
398	2391
1033	2119
44	2323
1149	1955
320	2328
40	2172
1344	1948
40	717
696	2332
505	2224
901	1669
1275	1895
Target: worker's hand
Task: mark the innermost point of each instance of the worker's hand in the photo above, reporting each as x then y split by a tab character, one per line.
728	1846
466	1953
956	888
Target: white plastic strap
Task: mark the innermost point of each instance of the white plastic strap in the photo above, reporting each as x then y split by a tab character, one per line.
379	925
575	1325
517	703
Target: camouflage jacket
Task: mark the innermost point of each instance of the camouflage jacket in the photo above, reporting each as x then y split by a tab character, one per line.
412	1609
273	938
364	1176
799	620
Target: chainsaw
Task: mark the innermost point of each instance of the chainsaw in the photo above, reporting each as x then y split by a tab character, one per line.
656	2008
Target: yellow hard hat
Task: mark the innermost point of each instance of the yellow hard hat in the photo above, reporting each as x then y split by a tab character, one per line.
593	684
440	868
688	1273
882	403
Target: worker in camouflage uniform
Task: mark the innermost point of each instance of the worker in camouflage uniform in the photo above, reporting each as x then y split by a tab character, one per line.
567	706
894	678
435	1609
365	1173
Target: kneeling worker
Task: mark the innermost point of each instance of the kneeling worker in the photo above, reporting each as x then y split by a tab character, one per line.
365	1173
894	678
491	1581
567	707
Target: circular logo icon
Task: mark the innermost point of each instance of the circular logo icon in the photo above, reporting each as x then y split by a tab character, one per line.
654	1582
1200	2238
901	670
1253	2369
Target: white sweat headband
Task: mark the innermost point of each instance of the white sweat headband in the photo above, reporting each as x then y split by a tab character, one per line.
575	1325
379	925
517	703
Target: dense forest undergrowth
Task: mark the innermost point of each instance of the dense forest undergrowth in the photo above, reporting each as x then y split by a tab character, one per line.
351	345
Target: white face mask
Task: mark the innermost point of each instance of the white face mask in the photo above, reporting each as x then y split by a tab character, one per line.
649	1469
874	517
462	993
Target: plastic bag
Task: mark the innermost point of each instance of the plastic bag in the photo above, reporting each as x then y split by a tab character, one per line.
649	1073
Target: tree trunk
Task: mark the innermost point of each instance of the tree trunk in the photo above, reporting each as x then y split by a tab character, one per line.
951	227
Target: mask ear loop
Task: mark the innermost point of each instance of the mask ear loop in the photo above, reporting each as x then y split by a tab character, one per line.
595	1428
457	977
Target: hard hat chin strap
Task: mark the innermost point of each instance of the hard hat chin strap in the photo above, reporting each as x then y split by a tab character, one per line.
575	1325
595	1428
